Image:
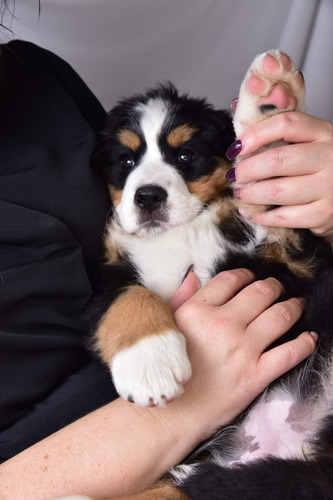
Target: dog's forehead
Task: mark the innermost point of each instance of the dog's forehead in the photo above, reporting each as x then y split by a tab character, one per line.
154	117
160	117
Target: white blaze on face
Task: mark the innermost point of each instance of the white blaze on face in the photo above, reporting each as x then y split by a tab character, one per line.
181	205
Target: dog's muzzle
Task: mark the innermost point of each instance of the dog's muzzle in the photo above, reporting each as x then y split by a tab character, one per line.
150	198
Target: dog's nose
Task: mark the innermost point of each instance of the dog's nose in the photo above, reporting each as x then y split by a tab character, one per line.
150	197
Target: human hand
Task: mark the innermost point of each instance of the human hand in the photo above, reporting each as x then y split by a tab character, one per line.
297	177
228	324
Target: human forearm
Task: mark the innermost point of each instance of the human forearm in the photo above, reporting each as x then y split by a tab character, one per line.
121	448
118	449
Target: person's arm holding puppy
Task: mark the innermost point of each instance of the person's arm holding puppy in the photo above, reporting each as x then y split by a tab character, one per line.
122	448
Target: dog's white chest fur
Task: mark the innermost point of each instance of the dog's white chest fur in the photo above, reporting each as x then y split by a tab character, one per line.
162	260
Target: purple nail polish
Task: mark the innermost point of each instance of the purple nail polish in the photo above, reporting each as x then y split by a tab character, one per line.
234	149
231	175
303	301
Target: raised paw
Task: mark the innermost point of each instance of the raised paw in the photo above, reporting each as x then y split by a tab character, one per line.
153	371
271	85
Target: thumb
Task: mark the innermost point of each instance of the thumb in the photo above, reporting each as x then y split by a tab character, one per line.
188	288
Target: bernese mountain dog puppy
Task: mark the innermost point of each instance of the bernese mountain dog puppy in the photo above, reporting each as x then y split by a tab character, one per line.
164	161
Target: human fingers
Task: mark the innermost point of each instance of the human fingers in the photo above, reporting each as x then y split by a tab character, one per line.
197	312
279	360
273	322
291	126
187	289
283	161
223	287
284	191
317	216
252	301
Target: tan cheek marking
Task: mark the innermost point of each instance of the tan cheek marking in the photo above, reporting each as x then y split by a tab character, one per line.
129	139
211	186
115	195
179	135
137	313
111	251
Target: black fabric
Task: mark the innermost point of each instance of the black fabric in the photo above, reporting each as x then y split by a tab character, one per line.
53	208
87	389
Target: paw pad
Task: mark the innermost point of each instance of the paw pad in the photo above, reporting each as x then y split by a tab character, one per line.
272	84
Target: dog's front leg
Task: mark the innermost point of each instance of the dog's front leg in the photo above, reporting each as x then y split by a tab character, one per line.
137	337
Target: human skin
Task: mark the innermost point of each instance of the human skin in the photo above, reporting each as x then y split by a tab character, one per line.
297	178
122	448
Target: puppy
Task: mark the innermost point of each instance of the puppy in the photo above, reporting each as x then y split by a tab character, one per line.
164	161
165	171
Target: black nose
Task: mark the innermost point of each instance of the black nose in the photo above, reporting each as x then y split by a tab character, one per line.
150	197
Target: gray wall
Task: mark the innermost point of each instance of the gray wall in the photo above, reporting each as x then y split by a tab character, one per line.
204	46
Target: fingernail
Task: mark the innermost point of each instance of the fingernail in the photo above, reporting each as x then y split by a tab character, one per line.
237	193
244	213
233	103
234	149
188	272
303	301
231	175
314	335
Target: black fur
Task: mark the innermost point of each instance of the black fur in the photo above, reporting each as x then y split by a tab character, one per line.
216	135
271	478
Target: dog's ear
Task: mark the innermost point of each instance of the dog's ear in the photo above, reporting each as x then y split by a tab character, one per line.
105	140
115	117
99	157
223	119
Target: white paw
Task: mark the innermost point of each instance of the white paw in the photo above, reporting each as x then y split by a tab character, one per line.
153	371
271	85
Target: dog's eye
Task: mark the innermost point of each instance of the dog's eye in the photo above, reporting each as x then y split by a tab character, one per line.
128	162
185	157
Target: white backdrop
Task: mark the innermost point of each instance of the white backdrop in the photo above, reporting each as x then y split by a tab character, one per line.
120	47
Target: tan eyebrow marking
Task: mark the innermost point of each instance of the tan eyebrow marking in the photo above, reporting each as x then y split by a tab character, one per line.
129	139
181	134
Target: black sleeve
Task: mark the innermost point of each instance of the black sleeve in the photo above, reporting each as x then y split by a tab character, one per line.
53	208
85	100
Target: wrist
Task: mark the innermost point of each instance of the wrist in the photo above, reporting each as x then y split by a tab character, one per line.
200	415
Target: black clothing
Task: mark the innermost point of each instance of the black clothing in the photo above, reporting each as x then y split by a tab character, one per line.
53	209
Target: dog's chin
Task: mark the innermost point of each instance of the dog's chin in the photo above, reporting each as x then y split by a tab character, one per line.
152	228
152	224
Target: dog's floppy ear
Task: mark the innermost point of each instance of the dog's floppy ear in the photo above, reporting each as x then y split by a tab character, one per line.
106	138
223	119
100	156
